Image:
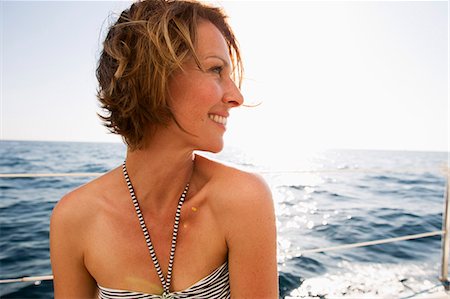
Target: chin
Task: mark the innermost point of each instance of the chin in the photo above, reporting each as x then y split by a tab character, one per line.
213	148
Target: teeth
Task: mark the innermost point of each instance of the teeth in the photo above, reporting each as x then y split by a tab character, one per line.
218	119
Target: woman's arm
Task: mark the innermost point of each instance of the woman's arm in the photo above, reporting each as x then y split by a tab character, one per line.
251	240
71	278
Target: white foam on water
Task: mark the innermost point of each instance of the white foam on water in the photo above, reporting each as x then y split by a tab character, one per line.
374	280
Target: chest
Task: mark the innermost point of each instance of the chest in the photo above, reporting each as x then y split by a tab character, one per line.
118	255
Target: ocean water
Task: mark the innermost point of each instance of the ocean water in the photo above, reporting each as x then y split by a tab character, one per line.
322	199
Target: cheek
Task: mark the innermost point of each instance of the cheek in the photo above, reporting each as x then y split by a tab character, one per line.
201	100
201	117
192	100
191	113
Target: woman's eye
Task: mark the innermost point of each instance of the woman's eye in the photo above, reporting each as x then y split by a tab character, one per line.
217	69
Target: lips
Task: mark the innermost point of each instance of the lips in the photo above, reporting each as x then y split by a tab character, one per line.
218	119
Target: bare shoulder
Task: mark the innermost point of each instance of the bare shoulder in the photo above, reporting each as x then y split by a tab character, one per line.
73	203
77	207
237	192
72	222
73	219
233	180
243	206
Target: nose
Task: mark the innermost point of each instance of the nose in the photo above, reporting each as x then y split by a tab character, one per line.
233	96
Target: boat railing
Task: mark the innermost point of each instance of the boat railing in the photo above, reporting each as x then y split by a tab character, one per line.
445	232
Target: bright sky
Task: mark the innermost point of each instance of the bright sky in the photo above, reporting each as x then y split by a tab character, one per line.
359	74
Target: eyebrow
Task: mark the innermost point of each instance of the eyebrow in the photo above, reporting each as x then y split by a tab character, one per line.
220	58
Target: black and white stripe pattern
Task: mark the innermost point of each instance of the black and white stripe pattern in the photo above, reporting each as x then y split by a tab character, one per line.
164	281
214	286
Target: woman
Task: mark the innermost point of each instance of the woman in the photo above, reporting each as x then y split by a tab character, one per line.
166	83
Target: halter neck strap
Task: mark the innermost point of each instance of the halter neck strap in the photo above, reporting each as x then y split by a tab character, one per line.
164	281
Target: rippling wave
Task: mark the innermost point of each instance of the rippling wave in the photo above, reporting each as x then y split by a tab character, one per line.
315	208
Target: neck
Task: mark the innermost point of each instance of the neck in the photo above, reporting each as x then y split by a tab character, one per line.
159	174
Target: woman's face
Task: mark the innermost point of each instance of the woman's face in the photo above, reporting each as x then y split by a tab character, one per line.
201	99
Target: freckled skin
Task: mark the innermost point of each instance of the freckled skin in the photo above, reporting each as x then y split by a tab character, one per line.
95	236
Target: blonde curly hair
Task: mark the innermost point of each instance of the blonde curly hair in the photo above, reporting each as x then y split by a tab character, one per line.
149	41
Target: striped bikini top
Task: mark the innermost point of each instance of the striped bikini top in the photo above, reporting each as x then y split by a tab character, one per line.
215	285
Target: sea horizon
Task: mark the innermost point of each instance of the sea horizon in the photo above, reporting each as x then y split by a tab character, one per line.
234	146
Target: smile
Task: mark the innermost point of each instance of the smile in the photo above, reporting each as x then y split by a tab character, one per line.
218	119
